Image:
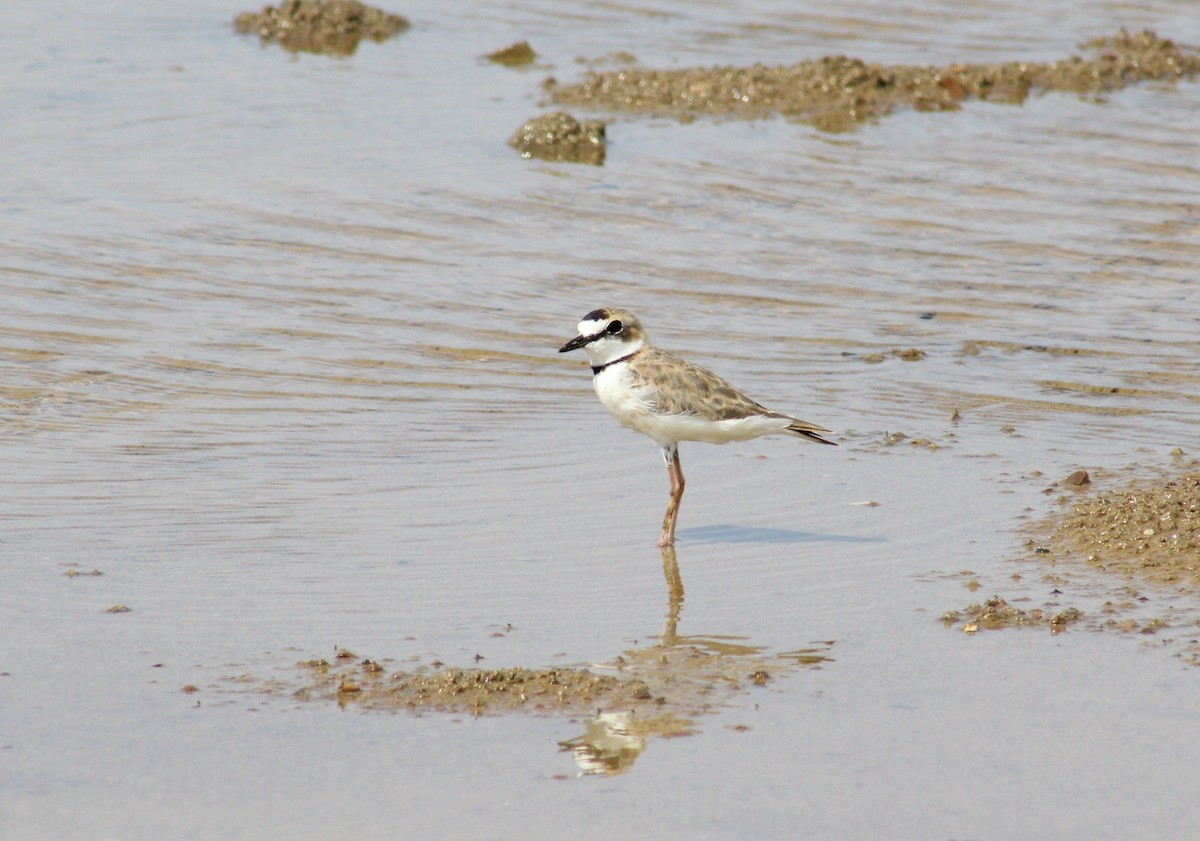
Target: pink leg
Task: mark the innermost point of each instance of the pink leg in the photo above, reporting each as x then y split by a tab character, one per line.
675	473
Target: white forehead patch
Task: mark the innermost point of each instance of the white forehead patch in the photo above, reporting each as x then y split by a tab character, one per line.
591	327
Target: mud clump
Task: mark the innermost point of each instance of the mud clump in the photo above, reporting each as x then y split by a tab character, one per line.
332	27
837	93
1148	532
911	354
519	54
996	613
558	136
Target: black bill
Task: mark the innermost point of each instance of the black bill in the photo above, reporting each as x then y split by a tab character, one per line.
578	342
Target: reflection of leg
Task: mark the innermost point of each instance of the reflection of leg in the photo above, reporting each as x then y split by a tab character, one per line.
671	573
674	594
675	473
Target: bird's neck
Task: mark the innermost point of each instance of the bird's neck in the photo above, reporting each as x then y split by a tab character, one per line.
607	351
596	369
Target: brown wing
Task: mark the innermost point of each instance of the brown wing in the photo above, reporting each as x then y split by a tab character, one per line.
677	387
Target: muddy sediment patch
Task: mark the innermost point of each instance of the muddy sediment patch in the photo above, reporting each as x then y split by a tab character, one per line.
837	93
519	54
1144	533
661	690
693	676
368	684
1127	550
333	27
558	136
996	613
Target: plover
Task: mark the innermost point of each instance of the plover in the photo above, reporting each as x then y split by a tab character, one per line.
669	399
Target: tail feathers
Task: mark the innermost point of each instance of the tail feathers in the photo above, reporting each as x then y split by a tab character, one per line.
810	431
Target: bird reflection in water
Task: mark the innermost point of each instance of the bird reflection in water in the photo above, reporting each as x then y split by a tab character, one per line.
686	677
613	741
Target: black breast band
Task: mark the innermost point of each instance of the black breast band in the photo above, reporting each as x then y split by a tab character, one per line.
596	369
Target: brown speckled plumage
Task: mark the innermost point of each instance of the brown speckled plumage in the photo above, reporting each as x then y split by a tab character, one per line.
675	386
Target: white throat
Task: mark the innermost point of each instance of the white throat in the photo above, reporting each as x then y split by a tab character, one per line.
611	348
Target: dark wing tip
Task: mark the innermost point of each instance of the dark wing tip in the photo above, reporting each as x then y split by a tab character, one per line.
812	436
812	432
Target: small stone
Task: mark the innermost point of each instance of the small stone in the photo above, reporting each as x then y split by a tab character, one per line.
1078	479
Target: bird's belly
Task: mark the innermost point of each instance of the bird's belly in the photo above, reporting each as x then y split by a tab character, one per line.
673	428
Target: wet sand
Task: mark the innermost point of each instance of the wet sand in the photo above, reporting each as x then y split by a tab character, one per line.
1123	558
838	93
1146	531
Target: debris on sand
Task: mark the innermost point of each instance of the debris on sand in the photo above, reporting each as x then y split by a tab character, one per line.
996	613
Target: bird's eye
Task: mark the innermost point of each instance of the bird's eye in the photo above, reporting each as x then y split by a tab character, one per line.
614	327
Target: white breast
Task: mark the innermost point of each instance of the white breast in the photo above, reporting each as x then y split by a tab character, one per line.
624	402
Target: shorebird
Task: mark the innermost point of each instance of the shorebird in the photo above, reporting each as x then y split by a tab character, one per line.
669	399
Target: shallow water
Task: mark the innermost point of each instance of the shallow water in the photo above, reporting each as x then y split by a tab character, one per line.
277	357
